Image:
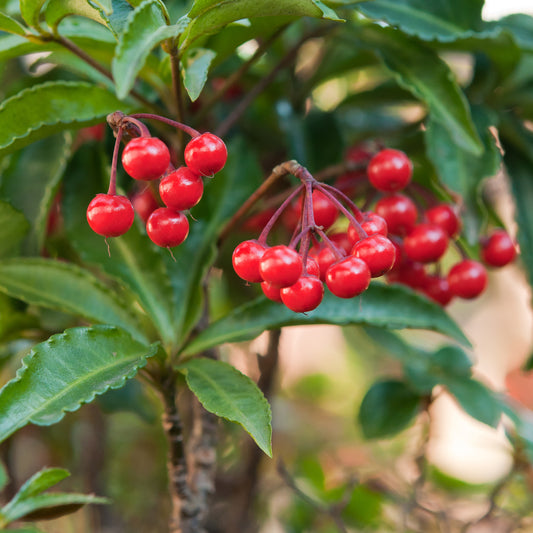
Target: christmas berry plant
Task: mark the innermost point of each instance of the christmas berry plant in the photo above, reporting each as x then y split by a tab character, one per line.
142	301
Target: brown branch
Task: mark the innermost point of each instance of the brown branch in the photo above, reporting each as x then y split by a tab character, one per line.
178	96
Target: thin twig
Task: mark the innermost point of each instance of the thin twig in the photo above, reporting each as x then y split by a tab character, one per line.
177	90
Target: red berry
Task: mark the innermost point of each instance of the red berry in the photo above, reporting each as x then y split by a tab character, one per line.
257	221
312	267
373	224
498	249
325	259
206	154
272	292
167	227
304	295
444	215
324	210
357	154
390	170
399	212
181	189
110	215
438	289
144	203
246	258
467	279
411	274
425	243
377	252
145	158
342	241
348	278
281	266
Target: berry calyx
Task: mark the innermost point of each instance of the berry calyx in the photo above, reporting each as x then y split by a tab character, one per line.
377	252
167	228
110	215
426	243
281	266
498	249
467	279
348	277
181	189
304	295
206	154
399	212
390	170
145	158
246	258
444	215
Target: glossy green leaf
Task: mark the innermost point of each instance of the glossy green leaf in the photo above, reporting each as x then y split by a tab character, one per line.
39	482
67	370
68	288
421	71
13	228
51	107
146	28
476	399
116	17
228	393
208	16
132	258
37	168
30	11
462	171
387	408
57	10
388	306
11	25
195	71
444	21
520	26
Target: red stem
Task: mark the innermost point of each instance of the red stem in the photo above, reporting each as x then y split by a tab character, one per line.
187	129
113	178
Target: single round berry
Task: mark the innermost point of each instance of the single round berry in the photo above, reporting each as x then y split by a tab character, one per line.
325	258
181	189
206	154
413	275
438	289
342	241
312	267
444	215
390	170
272	292
325	211
167	227
498	249
246	258
399	212
145	158
377	252
110	215
348	278
467	279
281	266
426	243
144	203
304	295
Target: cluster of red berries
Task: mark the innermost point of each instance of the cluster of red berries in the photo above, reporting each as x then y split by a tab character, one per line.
147	158
397	238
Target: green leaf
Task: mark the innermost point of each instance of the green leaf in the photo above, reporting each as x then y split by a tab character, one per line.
30	11
37	168
15	227
387	408
476	400
421	71
3	476
57	10
462	171
145	29
67	370
116	17
520	26
39	482
228	393
132	258
388	306
208	16
11	25
444	21
51	107
68	288
195	71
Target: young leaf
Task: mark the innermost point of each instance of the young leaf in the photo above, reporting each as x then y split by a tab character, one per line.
387	408
67	370
51	107
421	71
228	393
13	228
68	288
30	11
145	29
57	10
11	25
388	306
195	70
39	482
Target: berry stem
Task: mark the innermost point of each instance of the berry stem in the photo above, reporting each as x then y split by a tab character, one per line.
113	177
145	132
187	129
330	244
